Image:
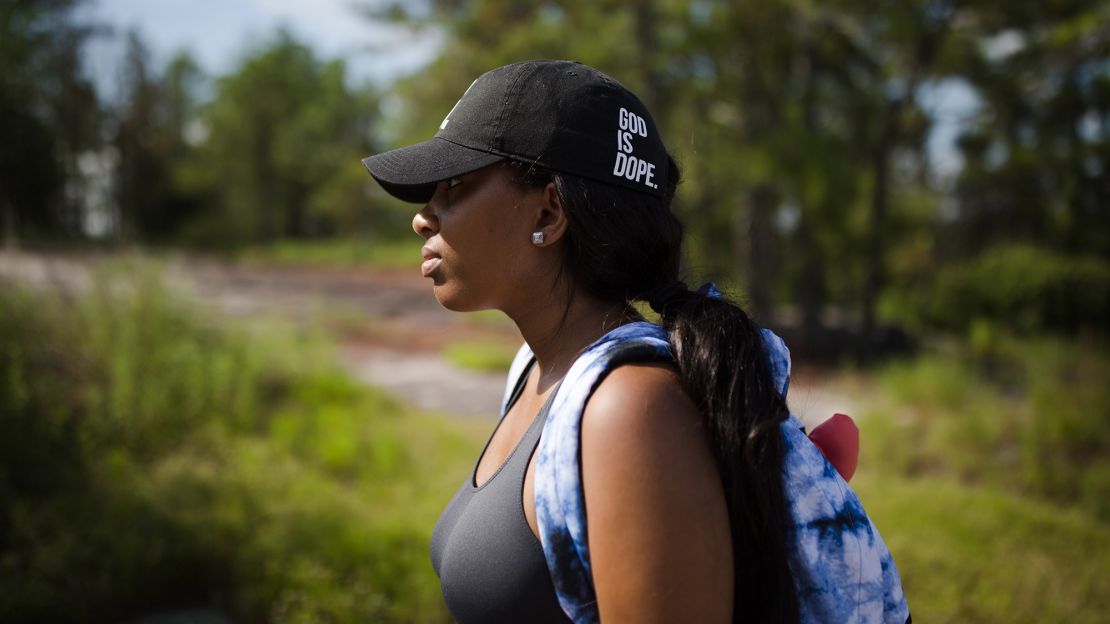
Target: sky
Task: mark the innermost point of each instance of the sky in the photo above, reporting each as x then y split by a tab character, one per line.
220	32
950	103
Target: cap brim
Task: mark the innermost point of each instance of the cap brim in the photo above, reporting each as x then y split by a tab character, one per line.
411	173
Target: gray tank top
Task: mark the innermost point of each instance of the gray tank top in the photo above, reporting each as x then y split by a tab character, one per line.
490	565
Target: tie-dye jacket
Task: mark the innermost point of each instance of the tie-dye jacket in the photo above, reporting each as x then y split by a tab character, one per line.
842	569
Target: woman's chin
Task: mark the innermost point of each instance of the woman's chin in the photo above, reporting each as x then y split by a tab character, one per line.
453	299
459	300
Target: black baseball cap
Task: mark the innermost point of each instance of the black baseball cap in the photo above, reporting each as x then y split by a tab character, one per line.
562	115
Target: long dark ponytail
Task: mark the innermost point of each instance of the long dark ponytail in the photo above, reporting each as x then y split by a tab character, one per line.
625	246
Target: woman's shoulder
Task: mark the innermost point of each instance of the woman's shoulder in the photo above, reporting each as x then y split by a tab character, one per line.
657	513
638	394
637	412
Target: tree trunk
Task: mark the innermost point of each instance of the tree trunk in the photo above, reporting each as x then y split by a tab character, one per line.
925	52
11	240
875	276
812	295
266	214
761	252
297	224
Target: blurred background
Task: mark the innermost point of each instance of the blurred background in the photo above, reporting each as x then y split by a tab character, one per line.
226	395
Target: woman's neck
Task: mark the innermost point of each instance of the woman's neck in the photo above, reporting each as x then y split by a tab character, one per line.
556	340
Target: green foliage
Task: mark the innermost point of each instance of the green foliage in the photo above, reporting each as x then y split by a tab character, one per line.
49	114
273	154
150	459
284	136
786	140
1035	168
976	554
1023	289
1029	416
805	132
152	142
985	470
283	491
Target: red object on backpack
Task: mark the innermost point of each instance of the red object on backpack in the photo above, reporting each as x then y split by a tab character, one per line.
838	440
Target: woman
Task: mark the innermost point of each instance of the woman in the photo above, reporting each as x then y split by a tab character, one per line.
546	195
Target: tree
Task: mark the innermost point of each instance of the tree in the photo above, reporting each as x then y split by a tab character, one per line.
281	132
802	131
1037	156
49	115
158	109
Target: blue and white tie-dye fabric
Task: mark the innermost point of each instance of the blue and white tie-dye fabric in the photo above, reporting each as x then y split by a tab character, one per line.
842	569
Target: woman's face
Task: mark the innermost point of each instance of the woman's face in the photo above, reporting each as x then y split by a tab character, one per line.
477	230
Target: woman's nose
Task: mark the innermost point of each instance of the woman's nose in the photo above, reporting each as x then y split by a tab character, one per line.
424	222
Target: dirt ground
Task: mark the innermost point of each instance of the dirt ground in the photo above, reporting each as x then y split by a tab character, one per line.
390	329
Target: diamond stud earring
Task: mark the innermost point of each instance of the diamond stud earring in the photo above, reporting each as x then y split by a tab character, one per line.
537	238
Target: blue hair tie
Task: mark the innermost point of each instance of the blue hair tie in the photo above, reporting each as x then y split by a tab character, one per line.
709	289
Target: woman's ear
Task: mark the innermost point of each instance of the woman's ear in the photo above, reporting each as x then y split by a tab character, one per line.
551	219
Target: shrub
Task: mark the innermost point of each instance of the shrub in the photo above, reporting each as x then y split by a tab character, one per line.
1024	289
151	458
1028	415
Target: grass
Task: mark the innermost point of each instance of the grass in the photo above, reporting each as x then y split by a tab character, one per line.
976	554
985	469
490	318
480	356
151	459
1027	416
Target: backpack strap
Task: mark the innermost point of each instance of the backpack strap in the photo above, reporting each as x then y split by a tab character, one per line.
560	500
842	570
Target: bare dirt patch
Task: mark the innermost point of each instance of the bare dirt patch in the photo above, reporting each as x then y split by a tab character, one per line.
390	329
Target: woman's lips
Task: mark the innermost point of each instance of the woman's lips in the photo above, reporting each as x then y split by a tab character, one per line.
432	261
429	265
